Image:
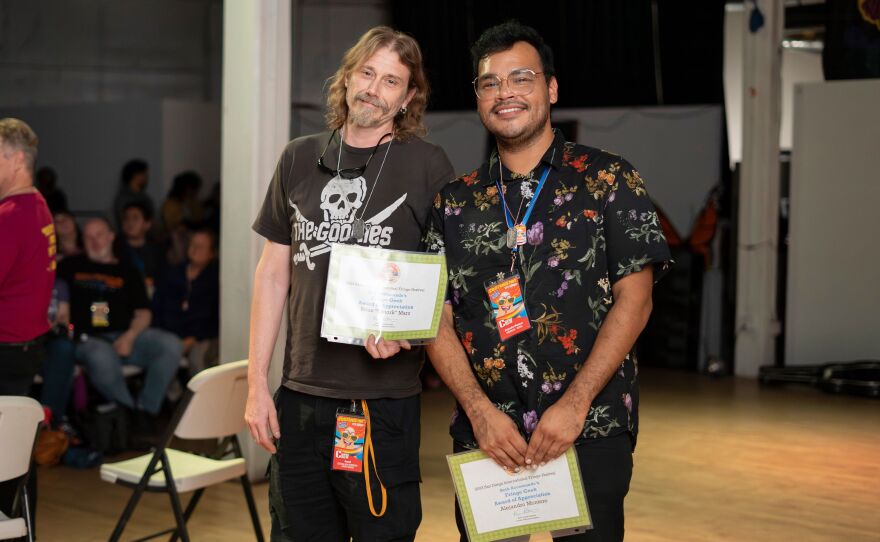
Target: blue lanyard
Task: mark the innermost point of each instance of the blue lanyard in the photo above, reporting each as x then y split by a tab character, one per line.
509	217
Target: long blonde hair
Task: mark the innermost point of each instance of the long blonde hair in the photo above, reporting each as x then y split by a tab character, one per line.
406	125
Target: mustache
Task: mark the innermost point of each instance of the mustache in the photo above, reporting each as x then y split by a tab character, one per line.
364	97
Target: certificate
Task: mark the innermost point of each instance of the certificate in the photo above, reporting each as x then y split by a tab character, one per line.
391	294
497	505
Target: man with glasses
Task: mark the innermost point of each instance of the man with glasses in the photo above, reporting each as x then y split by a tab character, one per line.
570	230
369	181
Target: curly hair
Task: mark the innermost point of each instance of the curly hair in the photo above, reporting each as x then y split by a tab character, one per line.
406	125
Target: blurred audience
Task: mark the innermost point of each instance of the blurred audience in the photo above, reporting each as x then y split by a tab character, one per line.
58	371
133	187
111	318
181	212
136	246
187	302
67	234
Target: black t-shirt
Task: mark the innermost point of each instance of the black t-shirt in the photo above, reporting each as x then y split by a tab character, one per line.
308	209
119	285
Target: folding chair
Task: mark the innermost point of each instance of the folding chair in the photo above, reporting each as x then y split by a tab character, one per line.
211	408
20	418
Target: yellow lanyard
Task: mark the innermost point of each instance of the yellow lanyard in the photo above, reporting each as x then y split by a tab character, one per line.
370	454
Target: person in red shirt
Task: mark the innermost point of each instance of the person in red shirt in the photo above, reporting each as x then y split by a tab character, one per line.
27	260
27	273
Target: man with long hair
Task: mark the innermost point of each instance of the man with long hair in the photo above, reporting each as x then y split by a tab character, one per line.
369	181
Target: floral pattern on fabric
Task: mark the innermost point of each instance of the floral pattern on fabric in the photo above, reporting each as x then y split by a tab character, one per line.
592	225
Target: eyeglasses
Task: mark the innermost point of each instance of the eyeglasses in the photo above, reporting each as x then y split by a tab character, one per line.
519	82
347	173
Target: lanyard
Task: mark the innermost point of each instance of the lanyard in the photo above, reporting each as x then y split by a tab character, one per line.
507	214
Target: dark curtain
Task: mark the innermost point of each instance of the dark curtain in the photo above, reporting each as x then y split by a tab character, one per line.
604	49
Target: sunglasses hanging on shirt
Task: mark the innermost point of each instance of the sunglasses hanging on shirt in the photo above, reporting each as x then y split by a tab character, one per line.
358	227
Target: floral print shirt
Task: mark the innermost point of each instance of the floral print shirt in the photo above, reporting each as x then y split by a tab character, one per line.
592	224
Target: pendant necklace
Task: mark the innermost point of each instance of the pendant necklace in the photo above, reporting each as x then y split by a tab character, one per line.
516	229
359	227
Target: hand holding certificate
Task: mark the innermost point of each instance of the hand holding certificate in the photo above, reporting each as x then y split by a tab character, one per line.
498	505
391	294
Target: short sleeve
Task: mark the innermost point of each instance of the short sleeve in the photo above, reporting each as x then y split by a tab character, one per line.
633	236
440	172
273	221
433	239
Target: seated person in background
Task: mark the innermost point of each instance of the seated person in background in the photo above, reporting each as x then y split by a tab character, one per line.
136	248
110	314
67	234
187	301
134	179
57	372
181	213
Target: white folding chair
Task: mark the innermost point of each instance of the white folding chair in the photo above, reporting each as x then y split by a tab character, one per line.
20	418
211	408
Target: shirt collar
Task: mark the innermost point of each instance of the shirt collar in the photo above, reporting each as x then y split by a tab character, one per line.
552	157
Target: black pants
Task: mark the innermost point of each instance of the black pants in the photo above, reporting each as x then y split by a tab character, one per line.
310	502
606	469
18	366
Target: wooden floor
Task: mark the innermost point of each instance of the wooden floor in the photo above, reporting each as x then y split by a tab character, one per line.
717	460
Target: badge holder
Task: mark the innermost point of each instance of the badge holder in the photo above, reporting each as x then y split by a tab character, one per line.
506	296
100	314
350	437
508	306
353	447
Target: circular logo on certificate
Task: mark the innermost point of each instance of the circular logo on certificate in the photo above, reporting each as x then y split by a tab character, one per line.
390	272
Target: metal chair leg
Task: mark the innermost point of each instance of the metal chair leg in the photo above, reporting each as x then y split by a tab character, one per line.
129	510
252	507
27	514
175	498
190	508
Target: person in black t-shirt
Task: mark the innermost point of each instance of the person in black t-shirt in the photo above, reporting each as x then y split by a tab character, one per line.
110	314
373	186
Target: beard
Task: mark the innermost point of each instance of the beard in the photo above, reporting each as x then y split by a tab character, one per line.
365	116
516	138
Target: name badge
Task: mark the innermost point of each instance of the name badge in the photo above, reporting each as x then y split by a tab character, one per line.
508	306
348	447
100	314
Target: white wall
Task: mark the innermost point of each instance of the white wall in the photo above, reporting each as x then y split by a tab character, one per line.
798	66
833	290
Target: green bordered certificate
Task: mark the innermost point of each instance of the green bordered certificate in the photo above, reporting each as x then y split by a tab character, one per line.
496	505
392	294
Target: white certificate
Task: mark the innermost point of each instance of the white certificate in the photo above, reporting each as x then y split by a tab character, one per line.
497	505
391	294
